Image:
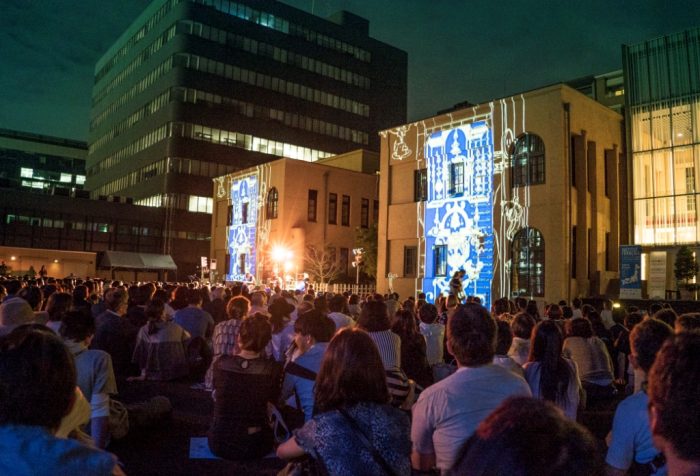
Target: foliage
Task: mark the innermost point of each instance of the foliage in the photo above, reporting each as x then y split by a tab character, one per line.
321	264
366	238
685	267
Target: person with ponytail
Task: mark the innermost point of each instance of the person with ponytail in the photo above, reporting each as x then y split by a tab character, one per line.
551	376
160	346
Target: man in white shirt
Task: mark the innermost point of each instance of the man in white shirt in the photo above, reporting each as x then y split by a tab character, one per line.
336	306
448	412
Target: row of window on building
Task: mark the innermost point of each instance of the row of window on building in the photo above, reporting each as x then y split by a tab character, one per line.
99	227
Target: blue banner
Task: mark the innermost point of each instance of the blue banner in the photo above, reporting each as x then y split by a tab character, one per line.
630	272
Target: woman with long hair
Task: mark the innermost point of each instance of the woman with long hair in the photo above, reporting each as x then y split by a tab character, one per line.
354	429
414	360
551	376
592	359
57	306
160	346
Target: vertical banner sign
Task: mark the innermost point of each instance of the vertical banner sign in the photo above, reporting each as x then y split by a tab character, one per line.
630	272
656	286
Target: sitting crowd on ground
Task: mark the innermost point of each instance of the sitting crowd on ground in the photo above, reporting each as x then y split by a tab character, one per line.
341	384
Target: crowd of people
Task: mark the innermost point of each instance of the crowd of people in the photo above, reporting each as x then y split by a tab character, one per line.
341	384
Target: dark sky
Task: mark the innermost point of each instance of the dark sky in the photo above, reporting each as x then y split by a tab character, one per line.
473	50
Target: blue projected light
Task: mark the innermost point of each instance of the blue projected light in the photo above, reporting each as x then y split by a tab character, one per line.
459	210
241	233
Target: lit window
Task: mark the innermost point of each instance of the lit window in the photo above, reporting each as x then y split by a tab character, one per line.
66	178
200	204
272	203
26	173
528	262
528	161
440	260
80	179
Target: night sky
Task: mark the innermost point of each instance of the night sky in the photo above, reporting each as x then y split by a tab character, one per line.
457	50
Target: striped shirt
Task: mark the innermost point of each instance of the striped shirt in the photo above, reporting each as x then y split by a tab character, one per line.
389	346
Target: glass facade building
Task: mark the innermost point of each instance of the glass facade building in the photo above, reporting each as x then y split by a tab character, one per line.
662	87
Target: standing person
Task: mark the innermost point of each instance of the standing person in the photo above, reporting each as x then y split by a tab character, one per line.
282	327
243	385
674	386
550	376
42	272
37	389
193	318
447	413
336	306
434	333
591	357
456	286
354	430
631	442
522	326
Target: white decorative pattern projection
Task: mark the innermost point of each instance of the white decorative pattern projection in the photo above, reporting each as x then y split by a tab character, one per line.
241	233
458	222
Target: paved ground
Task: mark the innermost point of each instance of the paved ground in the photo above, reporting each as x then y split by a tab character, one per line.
164	449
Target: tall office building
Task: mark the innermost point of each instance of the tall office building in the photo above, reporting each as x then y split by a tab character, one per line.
662	100
196	89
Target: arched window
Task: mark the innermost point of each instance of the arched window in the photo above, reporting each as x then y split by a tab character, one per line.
528	262
272	204
528	160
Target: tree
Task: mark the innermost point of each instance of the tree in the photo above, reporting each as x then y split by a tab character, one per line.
685	267
321	263
366	238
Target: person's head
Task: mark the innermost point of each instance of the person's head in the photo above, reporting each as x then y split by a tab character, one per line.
14	312
504	337
567	312
579	327
501	306
80	293
529	437
258	299
374	317
471	335
155	313
321	304
57	305
37	378
237	307
520	304
687	322
645	340
668	316
279	311
33	295
77	326
428	313
351	372
337	303
255	333
576	303
522	325
194	297
654	308
632	319
586	309
674	386
116	299
312	327
553	312
532	309
405	323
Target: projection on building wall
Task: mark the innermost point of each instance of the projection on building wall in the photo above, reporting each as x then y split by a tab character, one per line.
241	232
458	213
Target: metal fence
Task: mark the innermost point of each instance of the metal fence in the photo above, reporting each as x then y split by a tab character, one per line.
339	288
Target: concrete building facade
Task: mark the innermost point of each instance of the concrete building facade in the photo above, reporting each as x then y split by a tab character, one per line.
523	193
287	216
195	89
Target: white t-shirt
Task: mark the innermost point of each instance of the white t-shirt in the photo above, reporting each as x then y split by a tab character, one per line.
448	412
434	341
341	320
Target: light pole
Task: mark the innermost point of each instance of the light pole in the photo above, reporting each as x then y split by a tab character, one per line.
358	252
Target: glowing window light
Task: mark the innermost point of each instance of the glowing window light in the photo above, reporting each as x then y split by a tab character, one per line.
26	173
65	178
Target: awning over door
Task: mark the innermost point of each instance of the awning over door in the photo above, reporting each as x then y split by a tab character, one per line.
136	261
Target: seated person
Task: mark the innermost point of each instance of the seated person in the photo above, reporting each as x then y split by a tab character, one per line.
160	346
94	372
630	440
448	412
529	437
312	332
115	334
243	385
503	343
354	429
37	389
674	386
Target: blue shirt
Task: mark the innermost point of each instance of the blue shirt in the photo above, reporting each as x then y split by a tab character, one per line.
194	320
33	451
304	388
